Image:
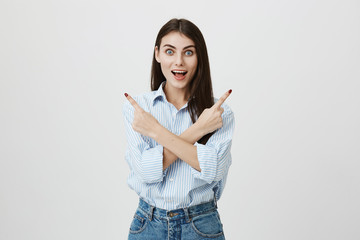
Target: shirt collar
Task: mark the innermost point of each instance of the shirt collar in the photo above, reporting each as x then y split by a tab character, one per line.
159	94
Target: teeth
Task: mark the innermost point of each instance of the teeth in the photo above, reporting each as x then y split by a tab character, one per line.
179	71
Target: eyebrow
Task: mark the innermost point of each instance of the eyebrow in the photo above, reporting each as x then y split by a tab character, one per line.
168	45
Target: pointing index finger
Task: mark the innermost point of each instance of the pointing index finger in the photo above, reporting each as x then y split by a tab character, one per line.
132	102
222	99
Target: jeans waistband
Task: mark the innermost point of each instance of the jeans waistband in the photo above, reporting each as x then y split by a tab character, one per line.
188	213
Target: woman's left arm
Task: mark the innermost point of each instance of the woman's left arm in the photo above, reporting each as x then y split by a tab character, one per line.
210	161
147	125
215	156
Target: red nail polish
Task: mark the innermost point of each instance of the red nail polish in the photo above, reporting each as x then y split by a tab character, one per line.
230	90
126	94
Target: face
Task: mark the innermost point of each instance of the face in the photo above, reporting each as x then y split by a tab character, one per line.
178	60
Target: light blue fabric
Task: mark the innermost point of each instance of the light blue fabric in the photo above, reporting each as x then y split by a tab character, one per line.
180	185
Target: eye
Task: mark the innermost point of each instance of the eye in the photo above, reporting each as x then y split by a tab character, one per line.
169	52
189	53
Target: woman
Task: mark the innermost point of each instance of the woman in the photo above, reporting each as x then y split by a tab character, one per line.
179	141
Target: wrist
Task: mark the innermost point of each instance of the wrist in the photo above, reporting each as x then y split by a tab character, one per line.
199	129
156	132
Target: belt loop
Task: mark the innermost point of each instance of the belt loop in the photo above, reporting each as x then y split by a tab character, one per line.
151	212
215	201
187	215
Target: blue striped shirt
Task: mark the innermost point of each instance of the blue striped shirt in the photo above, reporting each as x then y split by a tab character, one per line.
179	185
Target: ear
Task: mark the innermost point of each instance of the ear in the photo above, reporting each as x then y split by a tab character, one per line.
157	54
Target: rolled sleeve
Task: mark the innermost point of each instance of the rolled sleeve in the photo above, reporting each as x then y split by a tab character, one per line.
144	160
214	157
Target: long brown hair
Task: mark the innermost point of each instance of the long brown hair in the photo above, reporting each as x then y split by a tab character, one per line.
201	93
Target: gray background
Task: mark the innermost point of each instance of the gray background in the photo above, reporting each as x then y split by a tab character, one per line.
294	70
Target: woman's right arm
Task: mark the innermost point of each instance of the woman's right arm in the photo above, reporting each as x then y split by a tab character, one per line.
209	121
146	161
149	163
190	135
139	152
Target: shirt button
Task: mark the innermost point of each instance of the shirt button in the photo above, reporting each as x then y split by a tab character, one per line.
171	179
174	114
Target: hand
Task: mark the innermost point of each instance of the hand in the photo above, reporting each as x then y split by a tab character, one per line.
144	123
210	119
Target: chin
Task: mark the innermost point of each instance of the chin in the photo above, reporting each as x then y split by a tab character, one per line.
179	84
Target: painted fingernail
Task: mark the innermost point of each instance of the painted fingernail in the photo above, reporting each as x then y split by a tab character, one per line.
230	90
126	94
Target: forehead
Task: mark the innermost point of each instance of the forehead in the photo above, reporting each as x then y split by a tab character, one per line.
177	40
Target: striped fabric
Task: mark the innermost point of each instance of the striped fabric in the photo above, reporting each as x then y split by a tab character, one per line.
179	185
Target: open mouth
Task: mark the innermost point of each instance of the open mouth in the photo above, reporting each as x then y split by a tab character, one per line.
179	73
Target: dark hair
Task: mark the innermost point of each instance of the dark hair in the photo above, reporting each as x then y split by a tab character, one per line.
201	93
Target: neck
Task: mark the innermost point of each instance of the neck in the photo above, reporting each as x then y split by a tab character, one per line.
178	97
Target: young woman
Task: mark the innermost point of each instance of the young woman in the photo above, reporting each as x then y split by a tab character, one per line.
179	140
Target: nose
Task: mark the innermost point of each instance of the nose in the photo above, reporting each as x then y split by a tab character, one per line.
179	60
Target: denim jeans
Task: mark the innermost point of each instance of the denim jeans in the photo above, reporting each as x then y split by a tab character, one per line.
197	222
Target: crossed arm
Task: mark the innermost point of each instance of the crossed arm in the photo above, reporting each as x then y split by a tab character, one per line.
190	135
178	146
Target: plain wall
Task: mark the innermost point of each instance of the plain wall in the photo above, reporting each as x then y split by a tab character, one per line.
294	67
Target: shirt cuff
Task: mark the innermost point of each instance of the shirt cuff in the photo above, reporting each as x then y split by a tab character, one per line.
153	164
207	157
